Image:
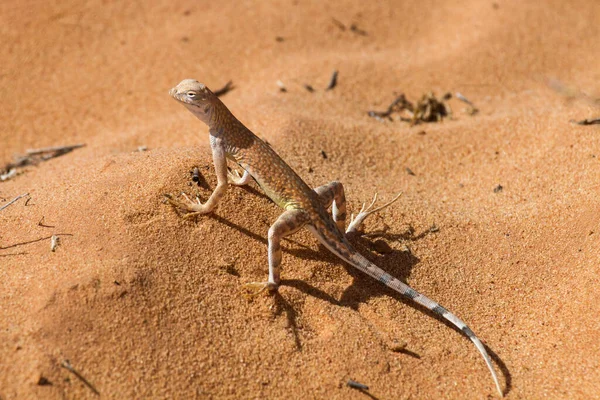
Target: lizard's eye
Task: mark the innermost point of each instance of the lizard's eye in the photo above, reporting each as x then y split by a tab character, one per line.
191	95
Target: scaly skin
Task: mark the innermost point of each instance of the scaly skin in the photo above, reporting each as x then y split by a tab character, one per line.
304	206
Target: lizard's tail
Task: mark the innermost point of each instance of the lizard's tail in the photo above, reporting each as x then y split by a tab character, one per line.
358	261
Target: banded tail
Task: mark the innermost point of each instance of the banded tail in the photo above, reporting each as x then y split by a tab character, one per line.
343	250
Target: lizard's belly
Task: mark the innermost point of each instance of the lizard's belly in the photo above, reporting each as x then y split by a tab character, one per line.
274	176
276	186
275	194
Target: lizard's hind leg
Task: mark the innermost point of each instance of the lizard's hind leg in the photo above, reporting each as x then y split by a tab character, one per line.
356	223
287	223
333	193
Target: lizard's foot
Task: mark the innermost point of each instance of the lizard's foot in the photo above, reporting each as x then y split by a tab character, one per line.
189	208
356	223
253	289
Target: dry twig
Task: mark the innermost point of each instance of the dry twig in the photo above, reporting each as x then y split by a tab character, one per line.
67	365
332	81
34	157
13	200
357	385
591	121
228	86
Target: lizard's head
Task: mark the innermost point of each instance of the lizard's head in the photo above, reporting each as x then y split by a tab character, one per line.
195	96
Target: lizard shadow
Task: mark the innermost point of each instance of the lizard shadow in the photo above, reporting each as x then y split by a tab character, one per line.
281	305
397	263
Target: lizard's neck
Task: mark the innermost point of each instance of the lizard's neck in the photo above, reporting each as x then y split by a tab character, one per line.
213	113
219	116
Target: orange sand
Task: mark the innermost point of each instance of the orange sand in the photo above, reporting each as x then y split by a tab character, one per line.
147	305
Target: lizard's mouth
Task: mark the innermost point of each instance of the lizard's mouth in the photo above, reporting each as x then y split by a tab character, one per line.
177	96
181	98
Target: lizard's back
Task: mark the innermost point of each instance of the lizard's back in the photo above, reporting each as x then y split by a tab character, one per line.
273	175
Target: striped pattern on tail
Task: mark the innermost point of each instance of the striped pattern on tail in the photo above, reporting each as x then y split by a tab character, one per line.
352	257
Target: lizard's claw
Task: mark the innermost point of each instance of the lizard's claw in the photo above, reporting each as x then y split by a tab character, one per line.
356	223
253	289
190	209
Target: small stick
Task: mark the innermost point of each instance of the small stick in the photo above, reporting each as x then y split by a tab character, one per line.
339	24
354	28
356	385
59	149
593	121
228	86
33	241
400	103
332	81
13	200
309	88
41	223
462	98
66	364
281	86
13	254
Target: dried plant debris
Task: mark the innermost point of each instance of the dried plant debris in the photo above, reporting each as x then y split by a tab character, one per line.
43	381
281	86
332	80
66	364
11	173
356	385
54	242
471	109
13	201
228	86
428	109
593	121
338	24
355	29
398	105
34	157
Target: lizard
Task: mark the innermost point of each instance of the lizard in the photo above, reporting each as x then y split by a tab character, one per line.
304	207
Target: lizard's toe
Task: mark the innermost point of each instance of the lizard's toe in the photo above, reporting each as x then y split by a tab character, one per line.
190	209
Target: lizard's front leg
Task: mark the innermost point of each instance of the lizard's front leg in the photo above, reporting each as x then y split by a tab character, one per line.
220	161
287	223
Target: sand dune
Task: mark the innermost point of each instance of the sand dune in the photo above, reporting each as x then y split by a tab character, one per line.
146	305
